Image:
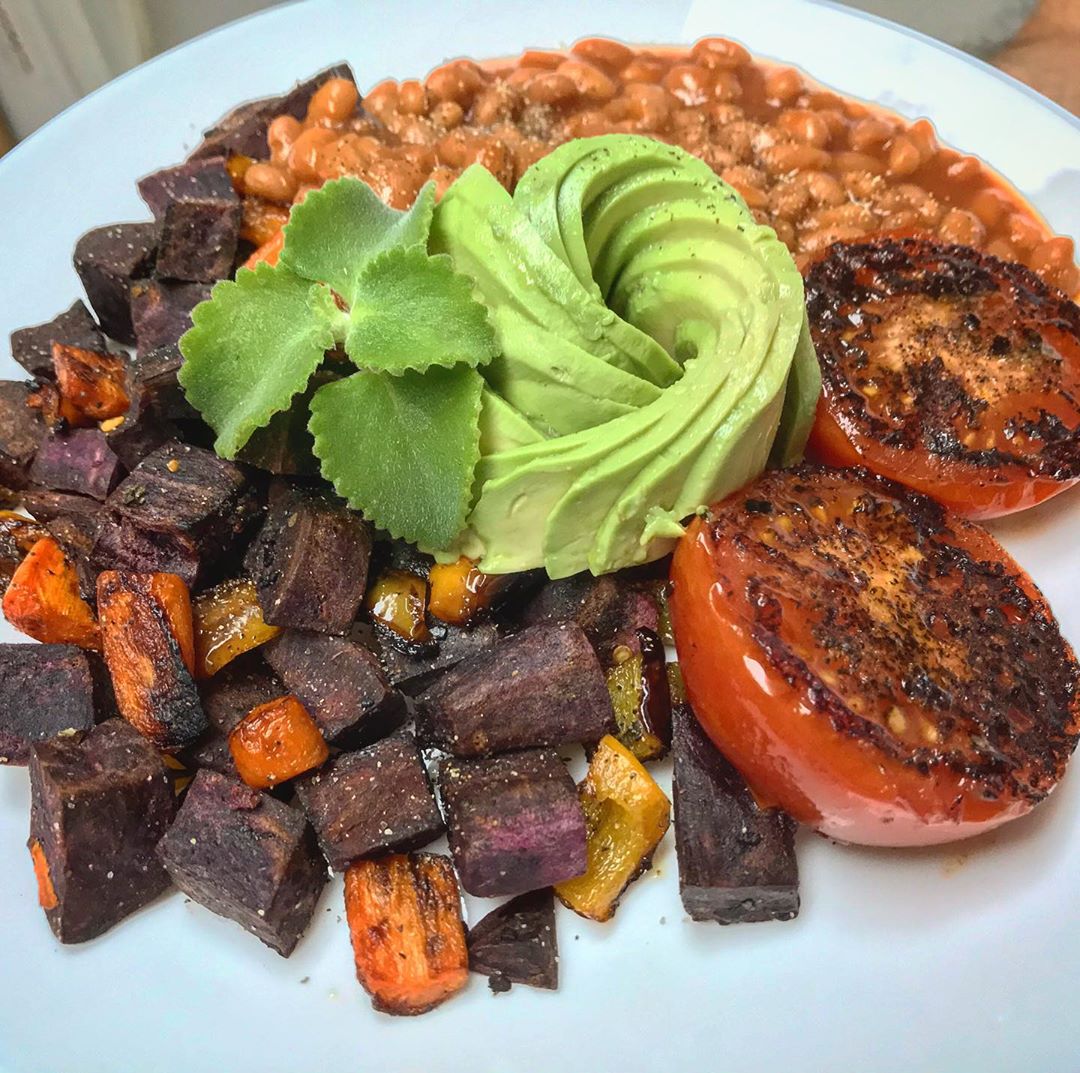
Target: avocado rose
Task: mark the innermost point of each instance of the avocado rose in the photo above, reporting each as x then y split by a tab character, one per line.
653	352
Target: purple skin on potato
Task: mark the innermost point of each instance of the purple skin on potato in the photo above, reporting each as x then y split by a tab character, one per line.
79	461
21	433
32	347
515	822
516	943
108	260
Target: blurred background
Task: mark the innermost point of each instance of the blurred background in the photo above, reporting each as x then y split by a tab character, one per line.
52	52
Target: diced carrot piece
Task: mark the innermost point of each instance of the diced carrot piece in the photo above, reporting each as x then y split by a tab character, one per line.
18	534
46	891
43	599
626	815
92	382
148	641
458	591
228	623
263	220
398	600
408	938
269	252
55	409
276	742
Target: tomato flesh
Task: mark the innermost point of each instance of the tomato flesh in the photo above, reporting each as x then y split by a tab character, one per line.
858	760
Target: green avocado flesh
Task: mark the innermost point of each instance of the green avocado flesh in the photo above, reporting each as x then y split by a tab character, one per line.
654	357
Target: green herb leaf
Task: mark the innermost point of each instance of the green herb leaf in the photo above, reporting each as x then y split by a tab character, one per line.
402	449
337	229
412	311
252	347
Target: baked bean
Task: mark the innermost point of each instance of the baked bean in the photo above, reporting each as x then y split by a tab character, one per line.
270	181
787	157
785	232
611	55
334	100
805	126
719	52
1052	255
754	196
492	106
715	156
824	189
423	156
592	84
415	130
644	69
990	205
412	98
447	115
724	113
849	215
551	88
280	135
587	124
959	225
819	239
1002	249
787	200
738	138
782	84
1024	233
904	157
649	104
965	169
848	161
382	99
455	148
744	175
523	76
904	220
1066	278
542	58
728	86
923	135
862	185
303	154
443	177
528	152
689	83
457	81
397	182
869	133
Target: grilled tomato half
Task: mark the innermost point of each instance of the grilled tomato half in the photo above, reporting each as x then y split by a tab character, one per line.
946	369
878	667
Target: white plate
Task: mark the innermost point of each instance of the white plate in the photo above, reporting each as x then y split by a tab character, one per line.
939	961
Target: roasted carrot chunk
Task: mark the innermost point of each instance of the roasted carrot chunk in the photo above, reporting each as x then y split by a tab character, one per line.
398	601
43	599
408	937
458	591
269	251
148	642
228	623
276	742
18	534
46	891
57	410
93	382
626	815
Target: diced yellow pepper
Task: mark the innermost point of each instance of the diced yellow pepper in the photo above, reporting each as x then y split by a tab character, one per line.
228	623
398	600
458	591
626	816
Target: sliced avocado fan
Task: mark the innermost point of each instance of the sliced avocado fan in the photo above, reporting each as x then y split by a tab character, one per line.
655	354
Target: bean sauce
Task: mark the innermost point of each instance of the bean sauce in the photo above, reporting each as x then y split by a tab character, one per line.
815	166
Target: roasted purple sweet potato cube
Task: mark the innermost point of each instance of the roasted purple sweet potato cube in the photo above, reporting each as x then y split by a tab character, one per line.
516	943
610	609
32	347
161	310
198	239
340	683
46	505
45	690
542	686
139	435
100	802
21	433
245	683
247	856
194	180
412	672
155	379
371	801
515	822
243	130
108	260
78	461
181	510
736	860
310	562
285	446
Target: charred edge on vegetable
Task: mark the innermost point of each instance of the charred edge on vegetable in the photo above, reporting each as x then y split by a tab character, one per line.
21	432
100	802
32	347
1010	736
80	461
516	943
842	290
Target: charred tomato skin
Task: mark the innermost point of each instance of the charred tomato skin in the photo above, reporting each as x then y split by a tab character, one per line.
778	729
1001	436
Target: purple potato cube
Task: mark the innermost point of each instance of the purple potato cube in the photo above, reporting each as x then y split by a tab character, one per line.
108	260
32	347
79	461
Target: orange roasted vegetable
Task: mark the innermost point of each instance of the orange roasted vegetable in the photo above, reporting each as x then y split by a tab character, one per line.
148	641
269	251
408	937
459	591
92	382
57	410
42	599
46	890
18	534
626	815
276	742
262	221
228	623
398	601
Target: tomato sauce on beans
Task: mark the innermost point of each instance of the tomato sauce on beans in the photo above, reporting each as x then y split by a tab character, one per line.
815	166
